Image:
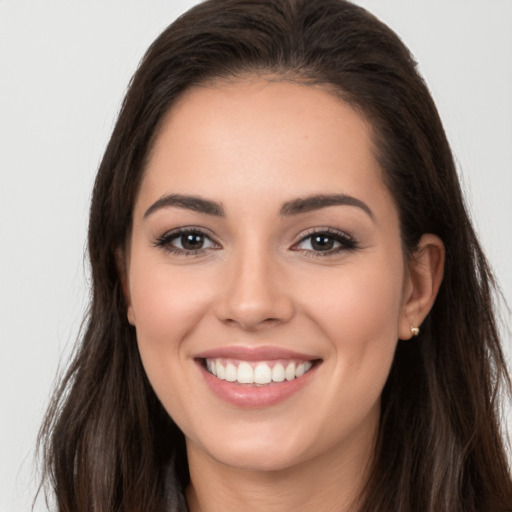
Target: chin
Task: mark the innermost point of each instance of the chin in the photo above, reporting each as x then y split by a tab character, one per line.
251	457
257	447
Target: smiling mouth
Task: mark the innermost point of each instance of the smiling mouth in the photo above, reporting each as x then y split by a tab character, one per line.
258	373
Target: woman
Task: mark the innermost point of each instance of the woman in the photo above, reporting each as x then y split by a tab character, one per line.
290	307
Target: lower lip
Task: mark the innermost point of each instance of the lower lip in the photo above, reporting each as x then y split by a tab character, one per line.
252	396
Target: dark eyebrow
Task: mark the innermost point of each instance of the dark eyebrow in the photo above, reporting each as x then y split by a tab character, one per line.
310	203
194	203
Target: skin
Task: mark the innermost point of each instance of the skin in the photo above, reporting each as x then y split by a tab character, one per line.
252	146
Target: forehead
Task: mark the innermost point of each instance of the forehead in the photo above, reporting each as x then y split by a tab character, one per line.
253	133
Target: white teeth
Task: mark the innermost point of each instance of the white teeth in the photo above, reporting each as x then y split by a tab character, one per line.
221	371
211	366
256	373
230	372
278	373
299	372
290	371
262	374
245	374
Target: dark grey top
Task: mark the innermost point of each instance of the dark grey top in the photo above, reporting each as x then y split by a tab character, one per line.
174	493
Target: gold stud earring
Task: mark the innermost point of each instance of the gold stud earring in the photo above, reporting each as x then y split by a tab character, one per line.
415	331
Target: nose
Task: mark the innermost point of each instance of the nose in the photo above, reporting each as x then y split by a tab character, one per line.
255	293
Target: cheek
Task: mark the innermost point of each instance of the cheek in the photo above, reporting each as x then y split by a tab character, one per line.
165	304
372	308
167	307
364	299
360	317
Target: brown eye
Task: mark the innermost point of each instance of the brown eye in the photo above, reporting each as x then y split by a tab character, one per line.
322	243
192	241
328	242
186	242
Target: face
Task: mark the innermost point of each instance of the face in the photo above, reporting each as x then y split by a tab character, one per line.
265	274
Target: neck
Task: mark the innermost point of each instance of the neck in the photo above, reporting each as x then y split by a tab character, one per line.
332	482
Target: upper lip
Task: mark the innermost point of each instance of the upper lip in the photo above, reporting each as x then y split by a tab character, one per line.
248	353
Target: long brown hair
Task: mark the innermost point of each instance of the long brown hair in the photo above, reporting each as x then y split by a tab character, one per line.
106	440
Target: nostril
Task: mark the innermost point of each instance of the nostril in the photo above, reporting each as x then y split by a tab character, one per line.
252	324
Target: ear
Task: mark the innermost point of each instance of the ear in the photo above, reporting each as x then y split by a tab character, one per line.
422	282
122	265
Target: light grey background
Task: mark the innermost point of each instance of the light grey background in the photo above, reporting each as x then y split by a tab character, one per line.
64	66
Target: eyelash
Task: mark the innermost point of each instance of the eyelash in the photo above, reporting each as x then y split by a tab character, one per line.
165	241
345	241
